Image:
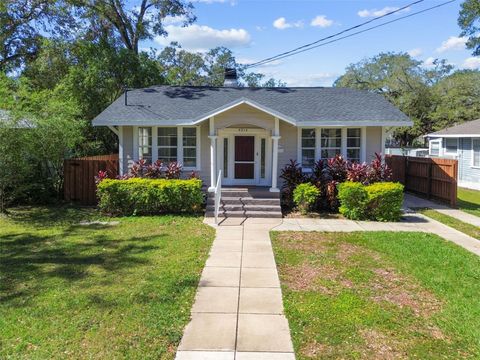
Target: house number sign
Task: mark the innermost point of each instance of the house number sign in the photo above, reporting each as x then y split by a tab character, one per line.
242	130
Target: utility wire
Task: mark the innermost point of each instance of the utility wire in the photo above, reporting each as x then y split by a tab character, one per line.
316	44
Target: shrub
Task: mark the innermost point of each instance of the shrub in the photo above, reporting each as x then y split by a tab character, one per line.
385	201
140	196
304	196
353	198
292	176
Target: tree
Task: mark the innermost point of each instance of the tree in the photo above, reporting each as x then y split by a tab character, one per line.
131	23
22	23
404	82
457	99
469	22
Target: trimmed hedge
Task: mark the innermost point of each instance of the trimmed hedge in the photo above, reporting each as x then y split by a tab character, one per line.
353	199
380	201
305	195
141	196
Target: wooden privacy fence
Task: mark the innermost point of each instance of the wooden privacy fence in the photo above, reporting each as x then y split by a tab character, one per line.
79	177
431	177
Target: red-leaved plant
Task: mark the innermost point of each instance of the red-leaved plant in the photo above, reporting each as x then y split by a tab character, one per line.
101	176
173	170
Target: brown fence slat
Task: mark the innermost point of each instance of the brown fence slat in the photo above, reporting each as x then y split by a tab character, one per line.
432	177
79	177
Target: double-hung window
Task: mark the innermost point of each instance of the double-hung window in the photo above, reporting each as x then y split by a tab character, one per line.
167	144
331	143
435	148
145	143
476	152
353	144
451	146
308	148
190	147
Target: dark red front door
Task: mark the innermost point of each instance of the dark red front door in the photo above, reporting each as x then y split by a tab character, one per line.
244	157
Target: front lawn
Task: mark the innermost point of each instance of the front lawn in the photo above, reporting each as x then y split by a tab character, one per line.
98	291
469	201
379	295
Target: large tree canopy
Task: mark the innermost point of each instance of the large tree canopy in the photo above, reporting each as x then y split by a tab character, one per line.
433	97
469	22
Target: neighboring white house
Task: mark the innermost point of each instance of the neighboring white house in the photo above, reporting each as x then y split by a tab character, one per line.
248	133
460	142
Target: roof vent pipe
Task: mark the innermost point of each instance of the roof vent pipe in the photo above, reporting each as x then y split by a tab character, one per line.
125	89
230	78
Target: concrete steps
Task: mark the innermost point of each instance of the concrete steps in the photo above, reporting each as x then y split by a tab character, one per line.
246	202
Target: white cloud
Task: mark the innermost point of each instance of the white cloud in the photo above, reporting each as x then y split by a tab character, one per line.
202	38
472	63
318	79
452	43
321	21
429	62
281	23
415	52
380	12
174	20
246	61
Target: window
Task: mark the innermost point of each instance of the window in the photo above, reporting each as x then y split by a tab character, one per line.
353	144
189	147
167	144
435	148
145	143
451	145
308	148
476	152
225	157
262	158
331	143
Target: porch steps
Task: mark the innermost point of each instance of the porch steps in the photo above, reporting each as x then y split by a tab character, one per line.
246	202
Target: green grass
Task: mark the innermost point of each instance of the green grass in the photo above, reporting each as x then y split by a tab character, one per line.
379	295
98	291
469	201
471	230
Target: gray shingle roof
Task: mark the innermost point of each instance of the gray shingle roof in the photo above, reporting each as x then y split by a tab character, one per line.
170	105
468	129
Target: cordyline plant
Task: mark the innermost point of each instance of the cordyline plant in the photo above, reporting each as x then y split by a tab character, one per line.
156	170
327	174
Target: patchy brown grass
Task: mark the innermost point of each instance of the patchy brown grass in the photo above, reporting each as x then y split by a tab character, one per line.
328	275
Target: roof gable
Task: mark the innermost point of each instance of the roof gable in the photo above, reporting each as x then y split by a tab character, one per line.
467	129
171	105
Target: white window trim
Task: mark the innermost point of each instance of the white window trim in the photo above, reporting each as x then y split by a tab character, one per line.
318	143
179	145
437	140
472	164
448	152
300	147
359	148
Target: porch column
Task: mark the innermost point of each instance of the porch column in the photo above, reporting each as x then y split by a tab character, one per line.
274	187
275	138
213	155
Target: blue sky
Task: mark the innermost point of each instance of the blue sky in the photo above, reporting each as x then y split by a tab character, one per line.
255	29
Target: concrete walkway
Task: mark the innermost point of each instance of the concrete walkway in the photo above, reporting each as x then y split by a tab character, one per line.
412	201
238	311
410	222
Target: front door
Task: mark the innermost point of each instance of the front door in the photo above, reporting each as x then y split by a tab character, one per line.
244	157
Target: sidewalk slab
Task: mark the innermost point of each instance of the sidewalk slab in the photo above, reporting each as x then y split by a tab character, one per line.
205	355
216	300
261	301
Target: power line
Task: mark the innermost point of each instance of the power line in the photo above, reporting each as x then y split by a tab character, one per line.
316	44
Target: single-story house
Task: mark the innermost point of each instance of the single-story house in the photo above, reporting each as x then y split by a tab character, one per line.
460	142
248	133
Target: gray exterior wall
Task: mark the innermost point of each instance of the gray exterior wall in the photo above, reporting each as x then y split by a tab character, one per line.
468	176
246	116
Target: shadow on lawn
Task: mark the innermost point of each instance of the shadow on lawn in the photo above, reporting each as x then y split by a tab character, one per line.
29	259
53	215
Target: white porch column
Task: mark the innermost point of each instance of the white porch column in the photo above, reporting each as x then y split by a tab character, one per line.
213	155
275	138
384	139
121	155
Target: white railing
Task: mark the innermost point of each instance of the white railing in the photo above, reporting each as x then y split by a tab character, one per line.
218	195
